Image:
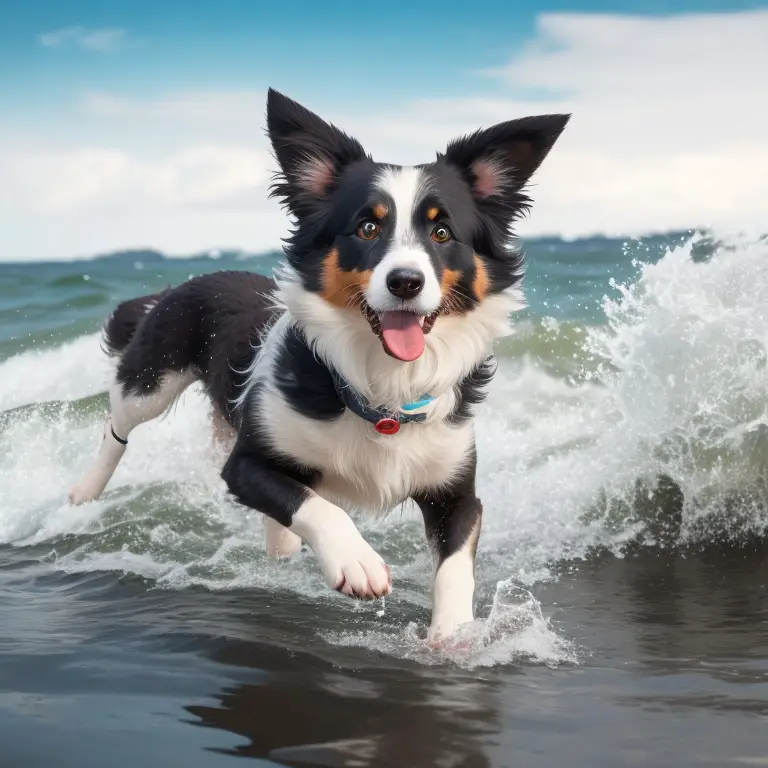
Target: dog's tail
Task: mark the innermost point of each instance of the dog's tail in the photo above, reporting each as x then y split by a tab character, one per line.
121	325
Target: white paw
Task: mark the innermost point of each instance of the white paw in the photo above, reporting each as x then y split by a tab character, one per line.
355	569
348	562
452	595
84	492
446	627
92	485
280	541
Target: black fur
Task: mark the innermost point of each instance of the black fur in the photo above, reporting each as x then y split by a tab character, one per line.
122	323
297	134
472	391
451	514
331	222
209	325
481	224
304	381
518	145
259	476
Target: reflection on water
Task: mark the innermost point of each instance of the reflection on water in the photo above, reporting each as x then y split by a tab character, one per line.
311	711
673	643
673	671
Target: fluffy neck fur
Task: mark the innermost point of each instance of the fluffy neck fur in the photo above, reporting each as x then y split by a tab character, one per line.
343	339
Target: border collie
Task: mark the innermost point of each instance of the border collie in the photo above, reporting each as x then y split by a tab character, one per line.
348	382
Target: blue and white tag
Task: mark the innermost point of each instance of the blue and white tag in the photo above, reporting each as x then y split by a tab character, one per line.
424	404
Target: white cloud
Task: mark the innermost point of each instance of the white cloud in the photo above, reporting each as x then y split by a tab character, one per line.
670	129
105	40
100	179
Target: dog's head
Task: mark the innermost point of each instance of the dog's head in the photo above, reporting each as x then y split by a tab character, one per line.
404	246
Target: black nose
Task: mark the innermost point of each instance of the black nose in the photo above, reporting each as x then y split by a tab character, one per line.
405	283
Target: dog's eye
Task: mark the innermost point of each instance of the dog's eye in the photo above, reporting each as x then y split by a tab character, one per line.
441	234
368	230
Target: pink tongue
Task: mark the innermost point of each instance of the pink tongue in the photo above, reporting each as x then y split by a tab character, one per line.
402	334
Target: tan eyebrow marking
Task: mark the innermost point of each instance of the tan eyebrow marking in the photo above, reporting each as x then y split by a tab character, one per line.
433	213
380	210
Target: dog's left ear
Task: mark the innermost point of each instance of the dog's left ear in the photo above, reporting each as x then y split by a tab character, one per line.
498	162
311	152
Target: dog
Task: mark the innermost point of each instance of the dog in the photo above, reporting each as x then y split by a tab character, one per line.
348	382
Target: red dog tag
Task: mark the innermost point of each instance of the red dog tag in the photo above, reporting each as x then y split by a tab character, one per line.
387	426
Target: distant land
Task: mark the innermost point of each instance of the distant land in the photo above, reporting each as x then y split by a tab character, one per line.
148	255
587	244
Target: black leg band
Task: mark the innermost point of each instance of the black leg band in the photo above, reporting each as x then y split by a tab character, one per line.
119	439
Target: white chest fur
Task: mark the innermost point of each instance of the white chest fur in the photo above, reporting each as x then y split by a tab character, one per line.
363	470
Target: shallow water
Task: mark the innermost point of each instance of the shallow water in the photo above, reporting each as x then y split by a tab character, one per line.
622	571
668	668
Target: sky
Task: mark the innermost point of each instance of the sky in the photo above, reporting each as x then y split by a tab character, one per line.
141	124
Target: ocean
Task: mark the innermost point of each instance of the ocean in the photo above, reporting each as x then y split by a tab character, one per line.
622	574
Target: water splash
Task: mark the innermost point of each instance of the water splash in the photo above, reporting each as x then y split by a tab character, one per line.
673	386
515	631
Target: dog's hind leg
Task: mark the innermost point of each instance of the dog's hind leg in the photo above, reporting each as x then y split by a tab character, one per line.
223	438
279	540
222	434
128	411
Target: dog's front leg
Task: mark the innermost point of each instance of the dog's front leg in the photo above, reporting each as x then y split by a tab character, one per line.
452	519
283	493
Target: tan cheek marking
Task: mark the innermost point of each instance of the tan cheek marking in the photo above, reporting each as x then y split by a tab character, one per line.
380	210
432	214
341	288
482	283
449	280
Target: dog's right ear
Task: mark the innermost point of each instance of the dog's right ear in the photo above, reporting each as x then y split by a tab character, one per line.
311	152
498	162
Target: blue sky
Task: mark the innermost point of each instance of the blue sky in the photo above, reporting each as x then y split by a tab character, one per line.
374	51
121	96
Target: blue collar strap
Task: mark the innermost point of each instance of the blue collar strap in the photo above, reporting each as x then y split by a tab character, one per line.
384	421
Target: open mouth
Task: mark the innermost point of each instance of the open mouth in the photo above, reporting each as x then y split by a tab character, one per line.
402	333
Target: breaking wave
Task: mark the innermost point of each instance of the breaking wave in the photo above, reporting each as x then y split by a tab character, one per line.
649	427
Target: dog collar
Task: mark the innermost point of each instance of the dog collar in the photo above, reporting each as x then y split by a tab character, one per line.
385	422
